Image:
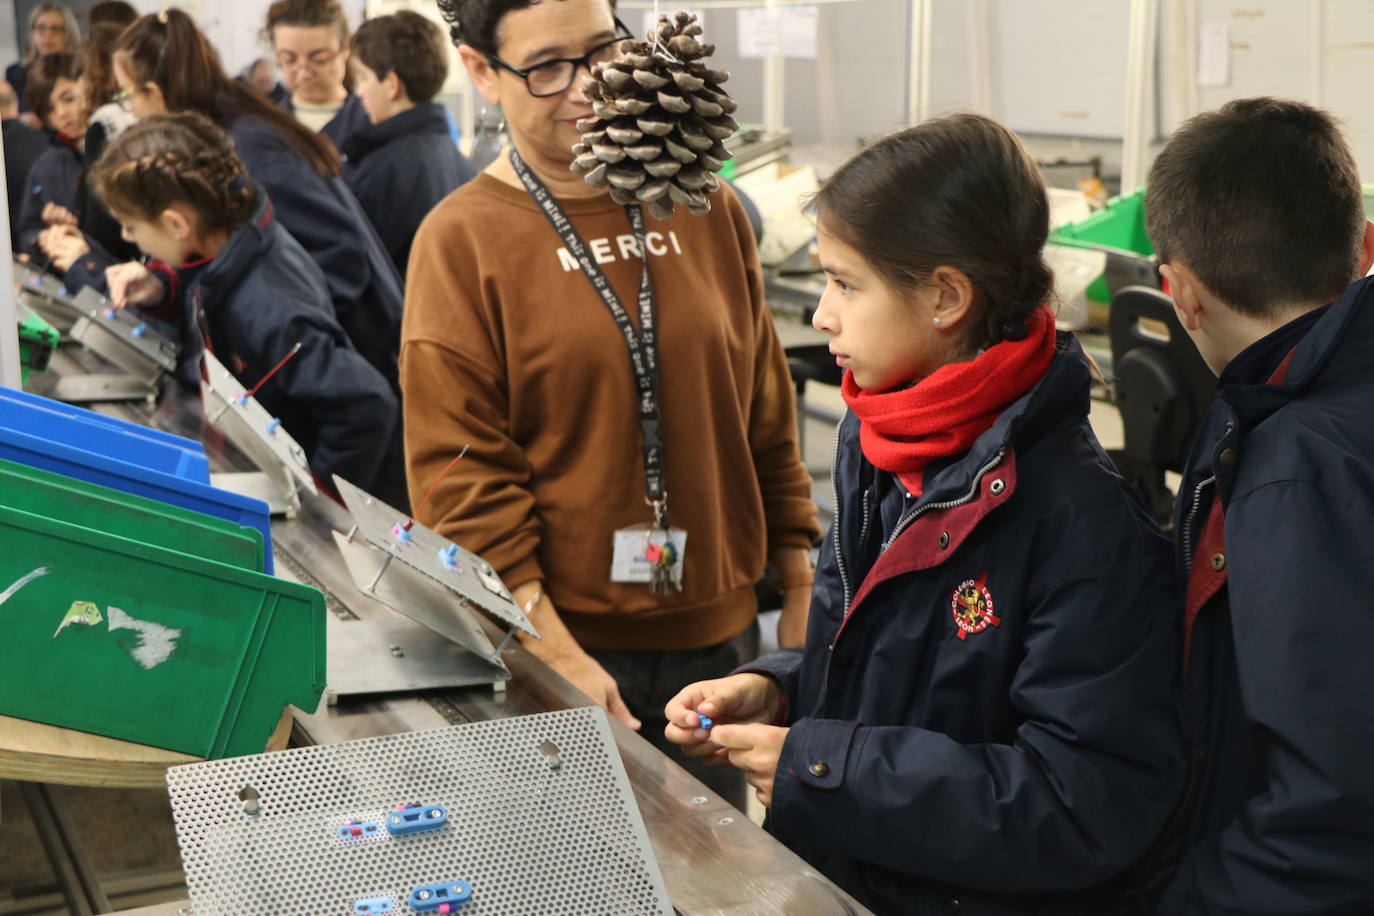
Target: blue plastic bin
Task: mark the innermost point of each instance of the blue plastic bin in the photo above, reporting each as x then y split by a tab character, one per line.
107	436
95	467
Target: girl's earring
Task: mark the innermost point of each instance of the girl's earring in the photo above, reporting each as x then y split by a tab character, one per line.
935	321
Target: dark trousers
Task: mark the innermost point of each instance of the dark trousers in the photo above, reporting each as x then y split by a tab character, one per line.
648	680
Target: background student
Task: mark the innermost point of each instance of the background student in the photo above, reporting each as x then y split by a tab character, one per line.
51	29
1258	217
406	162
183	195
166	65
310	40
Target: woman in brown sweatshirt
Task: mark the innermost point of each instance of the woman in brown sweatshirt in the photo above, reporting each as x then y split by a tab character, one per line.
508	347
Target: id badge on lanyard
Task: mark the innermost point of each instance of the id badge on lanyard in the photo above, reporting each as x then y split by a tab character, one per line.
653	552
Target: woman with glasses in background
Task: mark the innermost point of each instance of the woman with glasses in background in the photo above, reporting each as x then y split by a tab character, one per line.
310	39
52	29
508	347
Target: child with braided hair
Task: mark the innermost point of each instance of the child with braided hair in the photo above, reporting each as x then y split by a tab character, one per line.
183	196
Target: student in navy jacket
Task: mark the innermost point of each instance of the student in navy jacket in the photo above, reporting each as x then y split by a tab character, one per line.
406	162
165	64
1257	214
184	196
983	719
55	193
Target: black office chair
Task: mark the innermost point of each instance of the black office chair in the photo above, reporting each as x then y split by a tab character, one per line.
1163	390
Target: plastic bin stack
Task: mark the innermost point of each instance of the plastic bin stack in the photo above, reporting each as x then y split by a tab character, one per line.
136	600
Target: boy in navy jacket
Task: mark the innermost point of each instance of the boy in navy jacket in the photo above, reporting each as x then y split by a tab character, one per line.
1257	214
406	162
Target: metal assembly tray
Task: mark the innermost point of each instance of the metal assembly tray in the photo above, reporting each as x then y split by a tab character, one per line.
539	817
431	554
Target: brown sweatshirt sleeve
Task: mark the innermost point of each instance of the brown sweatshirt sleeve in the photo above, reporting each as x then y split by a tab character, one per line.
454	394
789	511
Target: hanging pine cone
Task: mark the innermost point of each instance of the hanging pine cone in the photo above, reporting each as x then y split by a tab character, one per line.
659	120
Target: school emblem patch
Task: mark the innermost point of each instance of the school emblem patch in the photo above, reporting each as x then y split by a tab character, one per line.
972	606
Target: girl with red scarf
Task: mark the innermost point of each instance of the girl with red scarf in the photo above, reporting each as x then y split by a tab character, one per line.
983	718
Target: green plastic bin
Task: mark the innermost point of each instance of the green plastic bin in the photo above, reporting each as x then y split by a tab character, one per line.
174	651
1119	225
37	342
90	505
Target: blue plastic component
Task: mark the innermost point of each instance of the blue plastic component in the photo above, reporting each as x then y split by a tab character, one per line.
449	556
416	819
431	898
108	312
366	906
62	291
273	425
705	721
140	329
358	830
98	449
241	399
402	533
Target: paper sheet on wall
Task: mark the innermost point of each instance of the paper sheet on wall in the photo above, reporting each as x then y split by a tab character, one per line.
1213	56
760	31
800	31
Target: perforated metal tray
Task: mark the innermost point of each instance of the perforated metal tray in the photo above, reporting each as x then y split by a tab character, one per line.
541	819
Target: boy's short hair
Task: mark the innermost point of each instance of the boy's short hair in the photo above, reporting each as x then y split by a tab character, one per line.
42	79
1261	199
409	45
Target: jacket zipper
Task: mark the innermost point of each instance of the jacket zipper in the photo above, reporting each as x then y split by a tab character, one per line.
1188	523
905	523
835	529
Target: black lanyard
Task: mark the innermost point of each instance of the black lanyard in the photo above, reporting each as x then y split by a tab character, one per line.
642	344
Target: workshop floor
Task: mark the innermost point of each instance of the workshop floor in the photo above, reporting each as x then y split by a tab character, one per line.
128	834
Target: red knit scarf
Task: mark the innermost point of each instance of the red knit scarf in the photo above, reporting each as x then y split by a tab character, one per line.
943	414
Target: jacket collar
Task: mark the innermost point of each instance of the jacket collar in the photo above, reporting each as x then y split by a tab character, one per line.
422	119
960	495
1327	343
243	250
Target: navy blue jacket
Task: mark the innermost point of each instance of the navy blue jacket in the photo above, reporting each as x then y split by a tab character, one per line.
1023	763
260	296
17	75
59	177
1280	679
399	169
24	146
323	216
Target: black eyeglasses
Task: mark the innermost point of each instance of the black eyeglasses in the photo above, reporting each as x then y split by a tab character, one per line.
553	77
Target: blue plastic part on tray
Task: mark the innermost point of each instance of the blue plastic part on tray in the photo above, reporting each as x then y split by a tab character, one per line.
429	898
366	906
108	436
410	819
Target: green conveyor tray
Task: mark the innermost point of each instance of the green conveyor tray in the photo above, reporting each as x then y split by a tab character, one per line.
138	518
167	649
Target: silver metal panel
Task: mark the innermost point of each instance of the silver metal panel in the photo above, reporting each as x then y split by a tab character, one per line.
88	389
541	819
123	338
469	575
390	656
417	596
249	427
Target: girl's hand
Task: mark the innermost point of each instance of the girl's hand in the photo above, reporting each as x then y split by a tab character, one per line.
739	698
58	215
133	284
755	749
63	245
